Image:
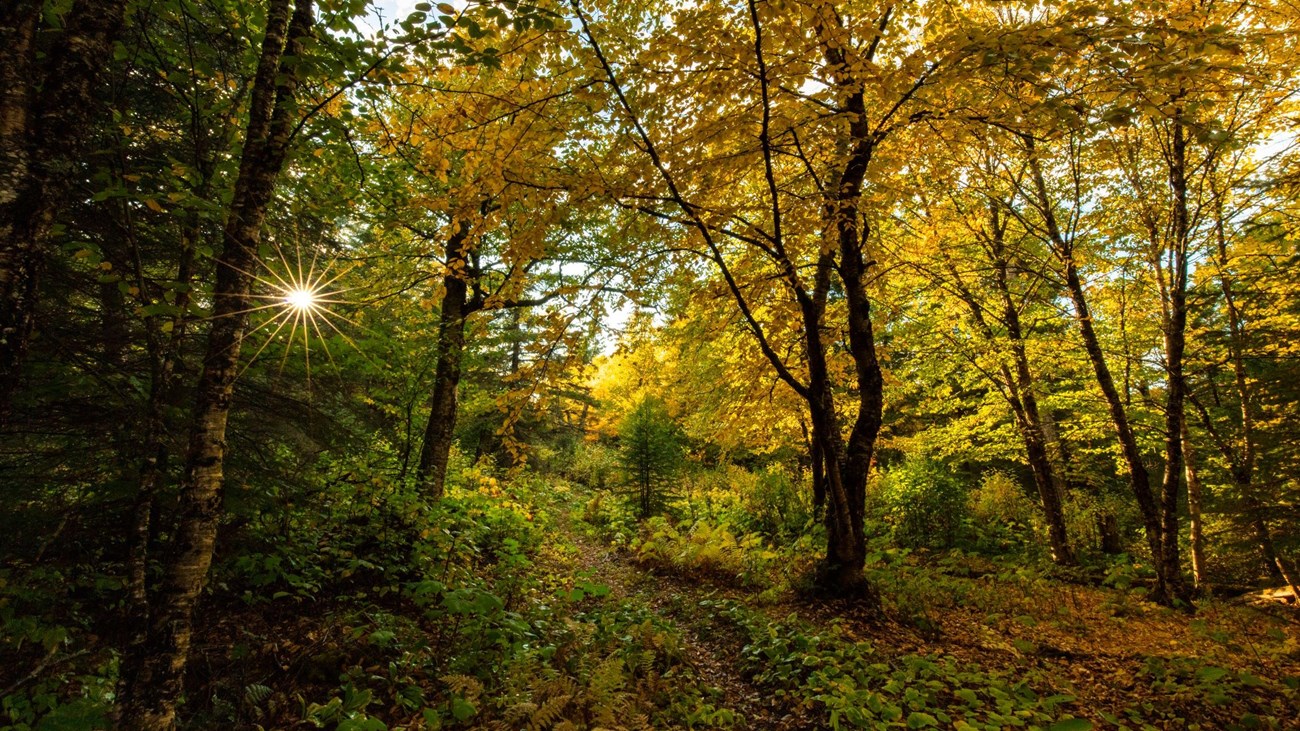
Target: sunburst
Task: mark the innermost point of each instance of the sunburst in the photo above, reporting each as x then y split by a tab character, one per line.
300	299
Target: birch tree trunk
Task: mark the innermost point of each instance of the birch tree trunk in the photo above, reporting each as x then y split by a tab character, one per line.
153	674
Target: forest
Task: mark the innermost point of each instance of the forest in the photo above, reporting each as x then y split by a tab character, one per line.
581	365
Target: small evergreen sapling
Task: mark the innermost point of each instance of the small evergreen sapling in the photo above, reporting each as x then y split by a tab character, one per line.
651	453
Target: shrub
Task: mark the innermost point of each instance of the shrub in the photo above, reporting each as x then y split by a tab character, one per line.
776	504
924	503
594	465
704	547
1004	516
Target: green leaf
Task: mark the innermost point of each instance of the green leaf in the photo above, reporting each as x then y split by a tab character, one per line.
1024	645
1249	680
462	709
1210	674
916	719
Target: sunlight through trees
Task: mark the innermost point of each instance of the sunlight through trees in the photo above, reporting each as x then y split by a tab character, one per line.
500	364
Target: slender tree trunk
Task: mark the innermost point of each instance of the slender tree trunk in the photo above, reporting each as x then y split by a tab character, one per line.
440	430
48	108
1195	525
153	675
1175	386
1045	478
1139	478
1049	491
1019	388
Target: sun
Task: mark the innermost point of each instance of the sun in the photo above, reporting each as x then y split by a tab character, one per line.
300	299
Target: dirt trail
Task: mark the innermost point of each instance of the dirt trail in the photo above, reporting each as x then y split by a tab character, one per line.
715	657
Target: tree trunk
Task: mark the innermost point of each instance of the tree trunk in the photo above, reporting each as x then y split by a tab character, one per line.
843	478
1139	478
1108	532
1197	534
441	428
48	108
1049	492
847	466
1019	390
1045	479
1175	386
153	675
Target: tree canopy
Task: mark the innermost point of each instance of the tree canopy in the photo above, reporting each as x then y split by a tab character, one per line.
342	335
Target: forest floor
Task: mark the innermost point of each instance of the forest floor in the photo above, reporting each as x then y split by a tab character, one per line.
528	607
1102	651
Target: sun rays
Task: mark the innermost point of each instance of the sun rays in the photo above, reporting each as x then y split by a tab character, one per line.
299	303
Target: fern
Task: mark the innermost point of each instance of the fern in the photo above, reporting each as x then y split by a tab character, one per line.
465	686
255	694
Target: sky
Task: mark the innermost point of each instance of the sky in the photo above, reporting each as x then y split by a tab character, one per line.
392	10
395	8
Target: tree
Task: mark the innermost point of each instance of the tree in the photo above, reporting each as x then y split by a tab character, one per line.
651	452
49	106
983	261
772	179
155	673
481	184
